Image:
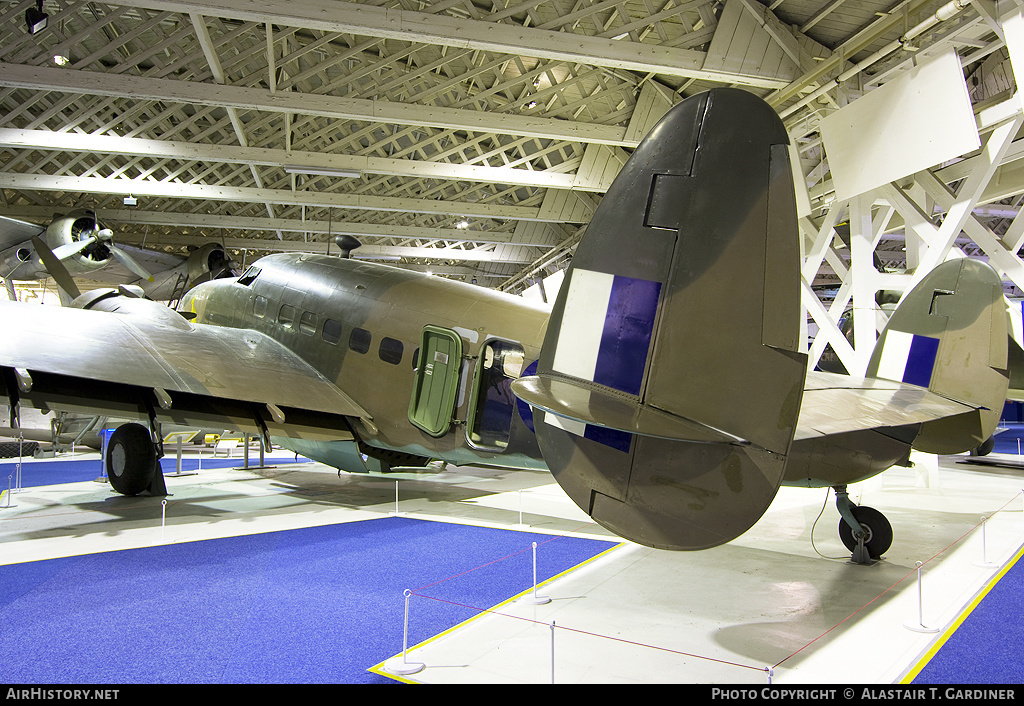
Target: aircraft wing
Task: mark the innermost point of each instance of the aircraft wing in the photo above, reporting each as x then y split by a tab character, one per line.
833	404
133	364
13	231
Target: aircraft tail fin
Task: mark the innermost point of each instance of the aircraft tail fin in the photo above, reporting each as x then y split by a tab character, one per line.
669	381
949	334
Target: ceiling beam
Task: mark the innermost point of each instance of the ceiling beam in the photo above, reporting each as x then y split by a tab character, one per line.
408	26
363	252
207	152
144	187
111	217
42	78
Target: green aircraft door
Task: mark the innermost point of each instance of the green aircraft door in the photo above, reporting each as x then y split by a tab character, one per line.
437	380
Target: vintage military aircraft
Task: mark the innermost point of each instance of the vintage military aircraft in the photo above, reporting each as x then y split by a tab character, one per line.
86	249
665	391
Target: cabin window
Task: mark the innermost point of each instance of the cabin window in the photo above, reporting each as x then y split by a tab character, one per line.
286	316
332	331
251	273
390	350
259	306
359	340
307	323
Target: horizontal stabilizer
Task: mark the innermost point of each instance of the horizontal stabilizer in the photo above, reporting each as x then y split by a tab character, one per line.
582	405
837	404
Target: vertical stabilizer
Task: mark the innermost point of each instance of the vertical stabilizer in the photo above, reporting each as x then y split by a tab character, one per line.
950	335
669	382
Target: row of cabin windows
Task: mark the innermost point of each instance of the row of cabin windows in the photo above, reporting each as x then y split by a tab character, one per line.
390	350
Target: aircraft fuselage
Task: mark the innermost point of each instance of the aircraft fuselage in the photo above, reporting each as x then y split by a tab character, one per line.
361	326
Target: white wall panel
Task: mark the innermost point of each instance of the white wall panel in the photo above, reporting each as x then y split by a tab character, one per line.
911	123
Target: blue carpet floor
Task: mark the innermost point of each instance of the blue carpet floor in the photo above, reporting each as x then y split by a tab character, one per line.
316	605
1011	439
36	473
983	646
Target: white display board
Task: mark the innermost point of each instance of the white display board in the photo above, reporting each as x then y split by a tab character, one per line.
1013	31
913	122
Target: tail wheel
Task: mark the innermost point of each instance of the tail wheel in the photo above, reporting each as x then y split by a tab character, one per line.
986	447
131	459
879	531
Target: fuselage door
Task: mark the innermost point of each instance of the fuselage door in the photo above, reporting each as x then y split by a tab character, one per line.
492	403
437	380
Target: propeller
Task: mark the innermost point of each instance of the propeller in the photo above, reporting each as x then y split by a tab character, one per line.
105	236
56	268
129	262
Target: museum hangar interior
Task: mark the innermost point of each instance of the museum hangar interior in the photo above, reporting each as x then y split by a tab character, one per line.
474	140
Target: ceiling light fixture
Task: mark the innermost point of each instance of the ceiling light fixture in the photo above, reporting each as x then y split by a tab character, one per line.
323	171
35	18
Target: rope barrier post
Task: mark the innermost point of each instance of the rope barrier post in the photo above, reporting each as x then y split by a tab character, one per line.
985	563
552	651
395	514
769	672
8	494
21	440
920	626
533	598
401	665
163	518
520	508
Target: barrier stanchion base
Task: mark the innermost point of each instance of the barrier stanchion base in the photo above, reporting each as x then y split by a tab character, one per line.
920	628
535	600
398	665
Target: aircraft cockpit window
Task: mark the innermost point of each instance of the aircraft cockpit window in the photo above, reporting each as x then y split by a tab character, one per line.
359	340
286	317
332	331
307	323
251	273
390	350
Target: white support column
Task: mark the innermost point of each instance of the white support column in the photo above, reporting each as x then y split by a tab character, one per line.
863	282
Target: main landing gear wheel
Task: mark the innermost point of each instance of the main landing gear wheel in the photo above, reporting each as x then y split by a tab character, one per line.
878	532
131	459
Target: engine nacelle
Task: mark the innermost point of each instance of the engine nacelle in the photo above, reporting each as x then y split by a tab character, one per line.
211	261
74	228
129	299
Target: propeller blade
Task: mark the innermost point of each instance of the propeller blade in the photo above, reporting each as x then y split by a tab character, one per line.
56	268
129	262
68	249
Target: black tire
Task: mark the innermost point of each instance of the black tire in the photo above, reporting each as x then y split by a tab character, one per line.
879	531
131	459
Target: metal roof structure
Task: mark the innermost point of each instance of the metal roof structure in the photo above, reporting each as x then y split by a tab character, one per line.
469	138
